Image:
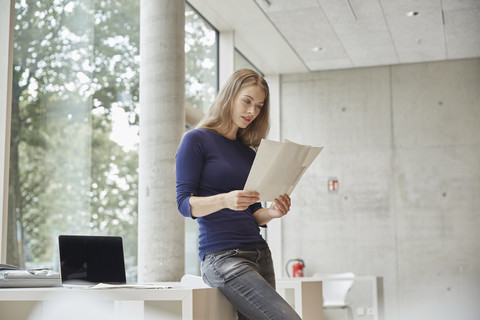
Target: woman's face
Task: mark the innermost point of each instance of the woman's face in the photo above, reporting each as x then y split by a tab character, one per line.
247	105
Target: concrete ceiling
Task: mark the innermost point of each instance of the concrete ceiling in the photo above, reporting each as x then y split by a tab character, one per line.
287	36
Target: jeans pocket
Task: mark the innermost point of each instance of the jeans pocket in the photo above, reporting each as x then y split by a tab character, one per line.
219	268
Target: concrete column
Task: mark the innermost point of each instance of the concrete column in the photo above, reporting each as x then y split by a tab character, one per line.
6	65
226	56
162	121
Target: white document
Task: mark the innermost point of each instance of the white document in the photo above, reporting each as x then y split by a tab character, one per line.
278	167
101	286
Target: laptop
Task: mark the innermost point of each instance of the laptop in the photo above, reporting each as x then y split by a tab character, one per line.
87	260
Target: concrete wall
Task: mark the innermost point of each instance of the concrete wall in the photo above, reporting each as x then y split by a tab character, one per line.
404	143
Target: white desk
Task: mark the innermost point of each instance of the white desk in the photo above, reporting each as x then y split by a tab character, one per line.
304	295
125	303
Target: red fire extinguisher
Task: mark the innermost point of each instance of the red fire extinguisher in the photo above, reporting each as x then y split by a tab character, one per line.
297	267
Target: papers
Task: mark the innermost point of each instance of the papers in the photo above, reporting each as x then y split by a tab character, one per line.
26	274
15	277
129	286
278	167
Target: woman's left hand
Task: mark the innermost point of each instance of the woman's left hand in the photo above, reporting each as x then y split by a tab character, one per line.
277	209
280	206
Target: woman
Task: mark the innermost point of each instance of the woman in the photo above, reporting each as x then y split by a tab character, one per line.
212	166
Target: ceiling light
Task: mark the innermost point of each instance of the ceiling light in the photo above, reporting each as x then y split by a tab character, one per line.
412	13
318	49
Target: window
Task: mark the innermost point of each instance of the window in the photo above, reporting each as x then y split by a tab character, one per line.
201	85
201	64
74	130
241	62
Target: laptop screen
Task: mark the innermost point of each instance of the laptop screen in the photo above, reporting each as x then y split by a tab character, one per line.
91	259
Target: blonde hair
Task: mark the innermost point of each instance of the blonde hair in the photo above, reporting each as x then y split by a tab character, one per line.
219	117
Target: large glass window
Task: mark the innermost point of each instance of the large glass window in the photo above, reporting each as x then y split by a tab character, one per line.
240	61
201	74
200	60
74	129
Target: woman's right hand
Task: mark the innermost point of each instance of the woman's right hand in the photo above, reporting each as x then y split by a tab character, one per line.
239	200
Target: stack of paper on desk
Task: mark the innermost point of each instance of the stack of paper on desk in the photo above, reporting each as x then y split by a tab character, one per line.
16	277
130	286
278	167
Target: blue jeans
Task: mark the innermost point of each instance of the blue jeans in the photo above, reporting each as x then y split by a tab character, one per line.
246	278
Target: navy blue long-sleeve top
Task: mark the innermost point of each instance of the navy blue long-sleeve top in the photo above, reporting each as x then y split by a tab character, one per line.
208	164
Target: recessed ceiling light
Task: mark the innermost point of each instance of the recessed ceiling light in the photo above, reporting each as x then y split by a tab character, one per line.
318	49
412	13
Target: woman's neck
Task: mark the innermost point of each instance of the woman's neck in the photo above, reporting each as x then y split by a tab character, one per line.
232	134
